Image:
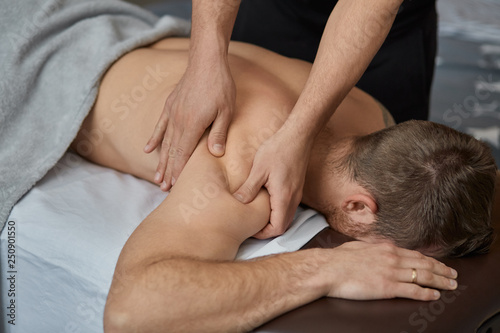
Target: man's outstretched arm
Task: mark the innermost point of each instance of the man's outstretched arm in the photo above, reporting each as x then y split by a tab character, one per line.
176	274
186	294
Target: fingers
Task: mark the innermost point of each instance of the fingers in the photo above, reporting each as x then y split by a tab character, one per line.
163	162
374	271
162	134
275	227
181	151
280	218
218	135
415	259
158	133
425	288
251	187
431	265
426	278
414	291
421	277
282	211
270	230
176	148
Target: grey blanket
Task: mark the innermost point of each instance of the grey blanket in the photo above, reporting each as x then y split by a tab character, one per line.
53	54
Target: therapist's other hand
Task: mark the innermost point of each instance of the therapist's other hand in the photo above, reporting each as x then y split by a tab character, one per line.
280	165
205	95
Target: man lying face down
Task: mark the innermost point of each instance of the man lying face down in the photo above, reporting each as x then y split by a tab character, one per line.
417	185
426	187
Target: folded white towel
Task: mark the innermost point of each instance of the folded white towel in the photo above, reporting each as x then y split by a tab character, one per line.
306	224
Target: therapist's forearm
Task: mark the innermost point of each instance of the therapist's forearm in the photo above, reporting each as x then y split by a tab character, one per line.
212	25
355	31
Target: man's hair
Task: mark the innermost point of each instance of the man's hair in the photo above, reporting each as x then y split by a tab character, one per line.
433	185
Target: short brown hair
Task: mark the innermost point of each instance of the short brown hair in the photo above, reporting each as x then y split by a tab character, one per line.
433	185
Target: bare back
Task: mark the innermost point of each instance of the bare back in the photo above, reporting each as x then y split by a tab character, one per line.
200	217
134	90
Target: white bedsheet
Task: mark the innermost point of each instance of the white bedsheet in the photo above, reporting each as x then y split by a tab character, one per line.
69	230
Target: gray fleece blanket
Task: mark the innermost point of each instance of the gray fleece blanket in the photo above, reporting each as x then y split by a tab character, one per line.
53	54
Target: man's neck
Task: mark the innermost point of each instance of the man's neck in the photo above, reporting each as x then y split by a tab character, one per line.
324	179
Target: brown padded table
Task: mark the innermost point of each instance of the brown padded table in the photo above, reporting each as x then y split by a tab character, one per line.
473	307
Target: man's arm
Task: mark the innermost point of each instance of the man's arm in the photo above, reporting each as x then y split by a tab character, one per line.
355	31
175	273
204	96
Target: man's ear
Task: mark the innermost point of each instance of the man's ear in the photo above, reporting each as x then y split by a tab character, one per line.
360	208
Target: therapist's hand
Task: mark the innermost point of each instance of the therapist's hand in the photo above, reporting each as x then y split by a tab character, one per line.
205	95
280	165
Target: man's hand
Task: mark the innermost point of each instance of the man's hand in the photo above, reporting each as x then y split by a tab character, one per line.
280	165
205	95
363	271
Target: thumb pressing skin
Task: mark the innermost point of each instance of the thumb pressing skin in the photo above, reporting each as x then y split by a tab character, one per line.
217	137
250	188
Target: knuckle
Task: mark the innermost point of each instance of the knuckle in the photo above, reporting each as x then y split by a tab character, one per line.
180	151
391	258
428	295
419	255
424	294
389	274
436	263
444	283
166	142
387	288
425	276
247	189
415	291
218	135
428	265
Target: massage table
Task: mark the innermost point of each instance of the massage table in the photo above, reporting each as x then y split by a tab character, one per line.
473	307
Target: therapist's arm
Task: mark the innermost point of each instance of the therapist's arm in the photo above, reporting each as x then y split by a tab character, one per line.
355	31
204	96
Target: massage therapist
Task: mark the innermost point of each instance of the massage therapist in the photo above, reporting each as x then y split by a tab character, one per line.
354	32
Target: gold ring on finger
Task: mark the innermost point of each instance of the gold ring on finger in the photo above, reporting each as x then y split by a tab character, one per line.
413	275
